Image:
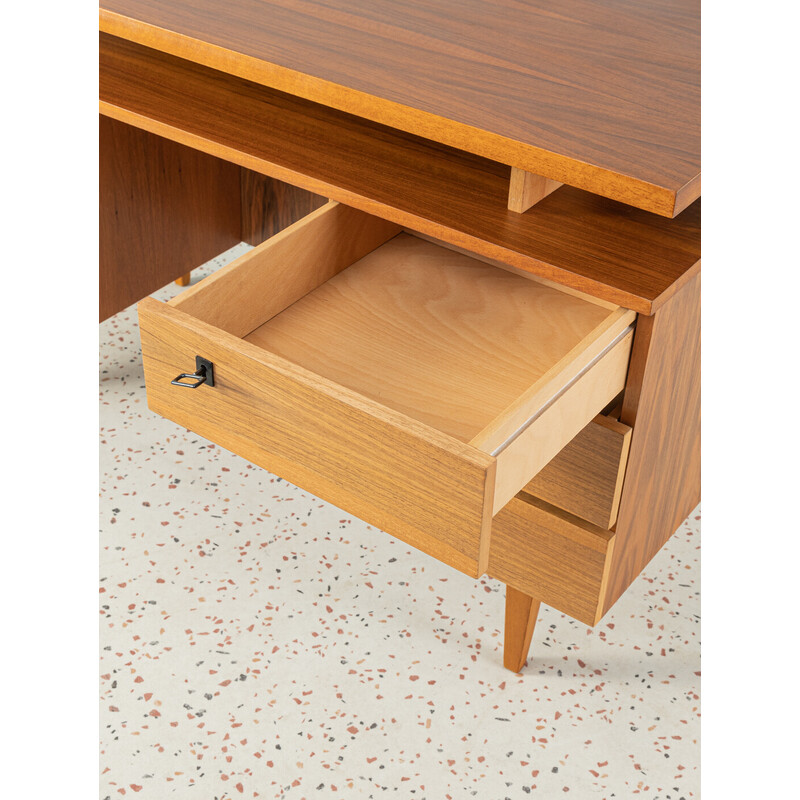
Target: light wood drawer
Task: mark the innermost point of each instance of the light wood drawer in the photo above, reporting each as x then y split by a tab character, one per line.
411	385
553	556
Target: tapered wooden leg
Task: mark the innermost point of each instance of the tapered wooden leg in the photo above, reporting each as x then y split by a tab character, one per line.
521	613
184	280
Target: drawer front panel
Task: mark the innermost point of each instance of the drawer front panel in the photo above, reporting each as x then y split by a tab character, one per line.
395	473
553	556
585	478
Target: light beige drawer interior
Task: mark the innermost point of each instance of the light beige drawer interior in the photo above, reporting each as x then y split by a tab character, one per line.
414	386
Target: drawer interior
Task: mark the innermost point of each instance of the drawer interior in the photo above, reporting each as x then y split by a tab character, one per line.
434	334
503	362
411	384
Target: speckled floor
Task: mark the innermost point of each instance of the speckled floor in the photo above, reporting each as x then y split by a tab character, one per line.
258	642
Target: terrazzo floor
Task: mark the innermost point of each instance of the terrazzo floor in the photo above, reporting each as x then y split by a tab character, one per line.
257	642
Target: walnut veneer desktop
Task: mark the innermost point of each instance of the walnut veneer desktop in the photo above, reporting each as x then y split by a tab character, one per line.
472	315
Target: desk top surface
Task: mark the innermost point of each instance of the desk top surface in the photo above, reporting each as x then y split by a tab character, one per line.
603	95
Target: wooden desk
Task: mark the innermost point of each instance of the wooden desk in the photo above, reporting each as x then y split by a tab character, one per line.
560	147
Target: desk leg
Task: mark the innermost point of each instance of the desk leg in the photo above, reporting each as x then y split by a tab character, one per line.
521	613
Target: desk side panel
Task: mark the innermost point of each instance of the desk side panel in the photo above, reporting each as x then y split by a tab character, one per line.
662	404
164	210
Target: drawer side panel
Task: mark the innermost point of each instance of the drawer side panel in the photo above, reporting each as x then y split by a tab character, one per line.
538	444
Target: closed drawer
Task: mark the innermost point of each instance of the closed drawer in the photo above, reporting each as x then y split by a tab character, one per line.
411	385
552	555
586	477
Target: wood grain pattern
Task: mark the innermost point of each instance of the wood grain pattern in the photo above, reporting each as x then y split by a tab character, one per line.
164	209
428	344
633	386
324	438
662	484
260	284
525	189
521	614
269	206
585	478
604	95
553	556
438	336
628	257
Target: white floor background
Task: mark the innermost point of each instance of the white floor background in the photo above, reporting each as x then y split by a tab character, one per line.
257	642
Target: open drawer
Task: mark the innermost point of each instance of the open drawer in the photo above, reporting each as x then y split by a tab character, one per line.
411	385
